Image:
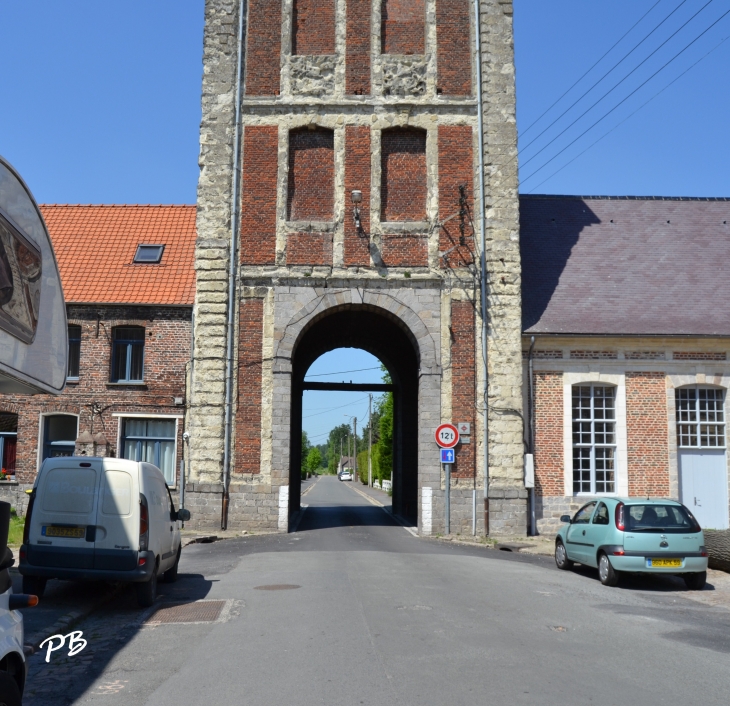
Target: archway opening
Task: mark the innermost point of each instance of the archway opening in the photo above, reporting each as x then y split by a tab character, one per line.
387	340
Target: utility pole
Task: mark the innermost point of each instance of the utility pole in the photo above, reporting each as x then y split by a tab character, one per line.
340	468
354	442
370	440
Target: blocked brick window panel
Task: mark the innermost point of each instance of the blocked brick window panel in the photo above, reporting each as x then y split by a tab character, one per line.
463	381
549	450
248	413
453	37
456	168
263	48
357	48
258	195
357	176
404	250
311	193
403	26
403	175
309	249
313	27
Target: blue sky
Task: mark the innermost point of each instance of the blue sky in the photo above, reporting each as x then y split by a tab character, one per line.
101	104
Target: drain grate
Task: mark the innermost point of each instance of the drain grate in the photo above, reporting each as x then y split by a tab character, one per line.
197	612
277	587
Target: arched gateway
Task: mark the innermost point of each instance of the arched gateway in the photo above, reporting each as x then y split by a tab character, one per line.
347	214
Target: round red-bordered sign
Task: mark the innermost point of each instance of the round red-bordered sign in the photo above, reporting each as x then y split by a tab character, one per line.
447	436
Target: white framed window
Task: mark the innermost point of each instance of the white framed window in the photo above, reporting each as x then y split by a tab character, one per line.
152	440
594	438
700	417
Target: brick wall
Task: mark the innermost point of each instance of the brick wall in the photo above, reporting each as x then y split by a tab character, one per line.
463	380
647	434
357	48
698	355
166	354
258	195
311	194
404	250
549	454
403	26
357	176
263	48
456	168
453	32
403	175
313	27
248	412
309	249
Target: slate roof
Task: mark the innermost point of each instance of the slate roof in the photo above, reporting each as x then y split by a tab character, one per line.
625	265
95	248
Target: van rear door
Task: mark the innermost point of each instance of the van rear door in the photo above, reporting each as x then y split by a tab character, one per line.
117	519
64	514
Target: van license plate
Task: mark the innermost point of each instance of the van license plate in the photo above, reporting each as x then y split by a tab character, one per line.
72	532
664	563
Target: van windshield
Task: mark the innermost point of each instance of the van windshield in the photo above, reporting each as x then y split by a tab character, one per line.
660	518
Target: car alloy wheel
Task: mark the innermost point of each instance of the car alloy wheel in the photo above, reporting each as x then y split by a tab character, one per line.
606	572
561	557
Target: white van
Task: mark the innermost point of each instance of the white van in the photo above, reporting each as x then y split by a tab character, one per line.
102	519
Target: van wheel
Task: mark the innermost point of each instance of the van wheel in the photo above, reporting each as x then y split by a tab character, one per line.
695	582
9	692
147	591
170	576
35	585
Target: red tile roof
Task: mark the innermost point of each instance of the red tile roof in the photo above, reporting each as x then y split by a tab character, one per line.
95	247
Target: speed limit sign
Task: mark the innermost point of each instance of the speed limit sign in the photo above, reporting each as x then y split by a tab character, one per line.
447	436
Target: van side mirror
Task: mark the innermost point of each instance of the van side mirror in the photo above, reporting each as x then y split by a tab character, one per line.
565	518
183	515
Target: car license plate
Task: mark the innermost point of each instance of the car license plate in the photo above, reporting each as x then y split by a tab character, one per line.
71	532
664	563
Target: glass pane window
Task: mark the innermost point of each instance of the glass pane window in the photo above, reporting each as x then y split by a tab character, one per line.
59	435
594	439
8	441
74	351
153	441
128	354
700	417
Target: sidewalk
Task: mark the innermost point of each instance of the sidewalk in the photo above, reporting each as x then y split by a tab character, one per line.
380	496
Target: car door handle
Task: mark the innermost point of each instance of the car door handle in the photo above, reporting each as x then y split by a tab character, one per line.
584	533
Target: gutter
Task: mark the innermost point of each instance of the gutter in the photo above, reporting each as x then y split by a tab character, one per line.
232	269
483	262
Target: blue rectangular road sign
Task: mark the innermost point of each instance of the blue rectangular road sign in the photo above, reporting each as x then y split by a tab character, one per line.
447	455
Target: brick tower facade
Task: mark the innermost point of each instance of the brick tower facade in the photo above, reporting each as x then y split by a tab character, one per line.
376	97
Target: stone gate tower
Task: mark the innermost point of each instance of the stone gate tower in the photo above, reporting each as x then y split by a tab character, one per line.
346	189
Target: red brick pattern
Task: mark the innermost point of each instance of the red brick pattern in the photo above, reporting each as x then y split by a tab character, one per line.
248	413
456	168
357	48
258	195
357	176
263	48
594	355
313	27
549	452
543	355
403	175
167	351
403	26
647	434
453	27
696	355
644	355
404	250
311	194
309	249
463	381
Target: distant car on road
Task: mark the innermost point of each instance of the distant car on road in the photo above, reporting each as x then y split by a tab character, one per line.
345	475
622	535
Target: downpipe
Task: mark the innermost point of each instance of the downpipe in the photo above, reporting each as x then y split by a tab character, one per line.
531	431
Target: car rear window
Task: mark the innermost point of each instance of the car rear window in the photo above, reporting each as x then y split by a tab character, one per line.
69	490
659	518
117	493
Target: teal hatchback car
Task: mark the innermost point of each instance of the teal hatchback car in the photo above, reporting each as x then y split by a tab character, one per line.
620	535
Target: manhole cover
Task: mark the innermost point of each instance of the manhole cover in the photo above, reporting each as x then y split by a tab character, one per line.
277	587
197	612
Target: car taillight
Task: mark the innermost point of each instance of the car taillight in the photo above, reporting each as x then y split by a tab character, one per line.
29	512
620	524
618	552
142	561
144	523
703	551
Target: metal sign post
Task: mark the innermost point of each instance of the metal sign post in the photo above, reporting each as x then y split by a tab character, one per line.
447	459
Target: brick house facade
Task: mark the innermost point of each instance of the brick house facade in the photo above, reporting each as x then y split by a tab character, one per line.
129	344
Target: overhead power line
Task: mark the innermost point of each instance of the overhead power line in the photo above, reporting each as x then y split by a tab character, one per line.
529	127
605	95
332	409
341	372
656	95
676	56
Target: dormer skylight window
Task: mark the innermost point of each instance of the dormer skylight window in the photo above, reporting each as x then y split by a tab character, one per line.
149	254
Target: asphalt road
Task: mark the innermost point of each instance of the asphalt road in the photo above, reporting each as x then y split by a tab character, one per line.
374	615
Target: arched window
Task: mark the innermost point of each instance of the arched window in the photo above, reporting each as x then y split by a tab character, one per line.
128	354
700	417
594	438
8	440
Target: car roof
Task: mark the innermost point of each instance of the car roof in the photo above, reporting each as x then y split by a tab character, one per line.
640	501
